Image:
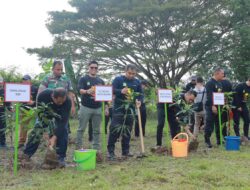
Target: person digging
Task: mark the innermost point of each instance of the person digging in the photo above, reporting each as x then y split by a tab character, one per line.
57	109
178	115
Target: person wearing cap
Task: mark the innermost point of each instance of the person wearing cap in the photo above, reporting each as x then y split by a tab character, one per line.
58	101
3	105
191	84
27	106
176	119
143	112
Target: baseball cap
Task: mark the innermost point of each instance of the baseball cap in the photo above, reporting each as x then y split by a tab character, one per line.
26	77
193	77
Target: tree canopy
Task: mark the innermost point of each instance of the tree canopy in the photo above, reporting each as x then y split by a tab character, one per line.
165	39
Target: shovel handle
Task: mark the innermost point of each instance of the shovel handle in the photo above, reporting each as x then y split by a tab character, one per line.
140	129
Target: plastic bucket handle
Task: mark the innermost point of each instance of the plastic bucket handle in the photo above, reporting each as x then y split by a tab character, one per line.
85	159
185	134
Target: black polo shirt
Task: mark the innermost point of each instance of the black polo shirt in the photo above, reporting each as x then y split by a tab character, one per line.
86	83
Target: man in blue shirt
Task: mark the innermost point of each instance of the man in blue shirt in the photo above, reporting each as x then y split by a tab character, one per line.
124	106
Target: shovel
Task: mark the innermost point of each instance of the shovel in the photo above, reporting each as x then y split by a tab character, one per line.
141	135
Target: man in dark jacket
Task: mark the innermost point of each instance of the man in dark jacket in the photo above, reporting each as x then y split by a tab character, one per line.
122	117
213	85
174	117
241	97
60	103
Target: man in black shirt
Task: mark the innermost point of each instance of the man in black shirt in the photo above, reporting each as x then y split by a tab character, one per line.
90	109
213	85
241	96
60	103
174	119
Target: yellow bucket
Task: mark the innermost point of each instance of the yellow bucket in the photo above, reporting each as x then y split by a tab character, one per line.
180	145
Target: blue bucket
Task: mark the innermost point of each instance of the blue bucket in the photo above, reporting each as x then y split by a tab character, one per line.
232	143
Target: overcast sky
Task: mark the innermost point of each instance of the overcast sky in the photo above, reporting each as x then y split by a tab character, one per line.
23	26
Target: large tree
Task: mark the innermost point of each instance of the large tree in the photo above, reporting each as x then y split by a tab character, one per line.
165	39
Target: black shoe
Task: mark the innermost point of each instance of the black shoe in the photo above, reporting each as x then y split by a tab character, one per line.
61	163
128	155
111	157
208	142
209	145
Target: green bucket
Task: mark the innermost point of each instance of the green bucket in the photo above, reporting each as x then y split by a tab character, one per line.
85	159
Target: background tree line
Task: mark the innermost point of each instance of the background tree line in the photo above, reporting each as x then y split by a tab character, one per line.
165	39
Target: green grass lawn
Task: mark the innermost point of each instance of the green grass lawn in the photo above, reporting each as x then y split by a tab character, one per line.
205	169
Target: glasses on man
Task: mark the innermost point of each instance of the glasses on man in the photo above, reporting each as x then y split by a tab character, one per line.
94	68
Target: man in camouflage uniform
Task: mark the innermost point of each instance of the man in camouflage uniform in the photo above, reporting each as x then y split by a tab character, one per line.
56	79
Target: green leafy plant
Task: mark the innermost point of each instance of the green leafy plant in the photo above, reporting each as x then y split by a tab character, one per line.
46	67
128	105
30	118
228	101
45	114
184	109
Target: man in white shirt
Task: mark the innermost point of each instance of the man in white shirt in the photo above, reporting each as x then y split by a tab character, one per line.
199	110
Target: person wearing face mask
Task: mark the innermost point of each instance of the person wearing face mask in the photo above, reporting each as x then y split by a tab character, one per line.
241	97
122	116
90	109
60	103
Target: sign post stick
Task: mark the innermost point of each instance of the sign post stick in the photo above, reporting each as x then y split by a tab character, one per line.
221	136
167	127
104	146
103	94
16	92
16	138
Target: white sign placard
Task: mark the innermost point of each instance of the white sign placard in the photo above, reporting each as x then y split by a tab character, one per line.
17	92
103	93
218	98
165	96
